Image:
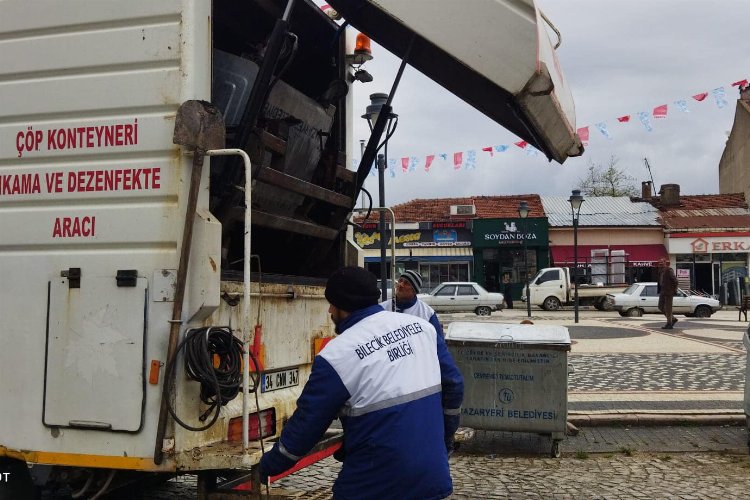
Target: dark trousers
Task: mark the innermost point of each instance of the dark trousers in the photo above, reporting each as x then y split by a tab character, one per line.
665	306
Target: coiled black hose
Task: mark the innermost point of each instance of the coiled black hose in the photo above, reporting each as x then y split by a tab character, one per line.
219	384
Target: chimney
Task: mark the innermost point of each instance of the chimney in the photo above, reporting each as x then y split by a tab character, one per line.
646	190
745	93
670	195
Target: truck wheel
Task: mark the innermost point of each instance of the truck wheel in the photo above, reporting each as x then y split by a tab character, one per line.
483	311
604	305
702	312
635	312
551	304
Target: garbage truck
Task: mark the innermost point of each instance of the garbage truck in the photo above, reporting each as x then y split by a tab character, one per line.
174	192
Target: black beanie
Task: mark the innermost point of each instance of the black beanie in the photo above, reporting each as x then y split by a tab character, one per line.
351	288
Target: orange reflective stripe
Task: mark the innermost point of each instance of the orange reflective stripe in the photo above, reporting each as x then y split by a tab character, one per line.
81	460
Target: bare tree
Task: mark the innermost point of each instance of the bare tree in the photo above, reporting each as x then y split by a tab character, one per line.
607	180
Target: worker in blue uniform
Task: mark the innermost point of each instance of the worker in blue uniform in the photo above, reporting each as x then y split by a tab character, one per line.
390	379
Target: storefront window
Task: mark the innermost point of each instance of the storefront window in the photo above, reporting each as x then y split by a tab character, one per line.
435	273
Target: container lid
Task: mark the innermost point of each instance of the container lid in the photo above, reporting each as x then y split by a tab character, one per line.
465	331
494	54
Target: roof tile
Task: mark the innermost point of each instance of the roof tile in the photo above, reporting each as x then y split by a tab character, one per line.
487	207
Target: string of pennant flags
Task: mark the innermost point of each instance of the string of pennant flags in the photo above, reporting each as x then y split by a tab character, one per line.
467	160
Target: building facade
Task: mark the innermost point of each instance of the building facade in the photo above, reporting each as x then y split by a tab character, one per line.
734	166
512	247
435	237
619	240
438	250
708	240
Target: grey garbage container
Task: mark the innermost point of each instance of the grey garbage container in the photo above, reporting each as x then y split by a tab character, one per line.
515	377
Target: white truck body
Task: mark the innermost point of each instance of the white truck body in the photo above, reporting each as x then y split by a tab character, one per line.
90	179
553	288
93	198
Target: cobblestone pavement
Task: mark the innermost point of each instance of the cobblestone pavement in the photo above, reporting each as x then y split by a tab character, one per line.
669	371
613	462
603	462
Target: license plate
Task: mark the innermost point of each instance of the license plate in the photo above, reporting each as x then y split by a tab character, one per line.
279	379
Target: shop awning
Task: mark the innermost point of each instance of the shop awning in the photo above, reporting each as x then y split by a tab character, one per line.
635	255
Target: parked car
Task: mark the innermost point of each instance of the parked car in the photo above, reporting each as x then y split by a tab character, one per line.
464	296
640	298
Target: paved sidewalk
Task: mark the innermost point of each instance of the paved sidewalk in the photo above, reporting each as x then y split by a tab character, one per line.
611	462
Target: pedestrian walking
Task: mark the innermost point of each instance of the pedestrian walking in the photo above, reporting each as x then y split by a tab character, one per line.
667	288
390	379
508	290
406	301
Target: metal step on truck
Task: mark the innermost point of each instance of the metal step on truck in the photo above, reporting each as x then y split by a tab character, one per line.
173	195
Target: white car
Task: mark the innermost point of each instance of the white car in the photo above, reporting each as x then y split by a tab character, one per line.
464	296
640	298
389	291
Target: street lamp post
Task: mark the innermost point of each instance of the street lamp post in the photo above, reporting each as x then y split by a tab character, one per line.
523	213
377	101
575	209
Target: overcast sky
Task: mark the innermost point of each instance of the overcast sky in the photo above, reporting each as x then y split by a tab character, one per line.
619	58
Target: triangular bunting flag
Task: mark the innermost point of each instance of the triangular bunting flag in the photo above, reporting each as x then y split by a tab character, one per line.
501	148
645	120
428	162
624	119
392	167
604	130
531	150
660	111
719	95
583	134
741	84
701	96
521	144
413	162
458	159
444	156
471	160
682	105
405	164
489	150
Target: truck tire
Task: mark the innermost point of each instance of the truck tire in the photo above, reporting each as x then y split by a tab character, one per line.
602	304
551	304
483	311
635	312
702	311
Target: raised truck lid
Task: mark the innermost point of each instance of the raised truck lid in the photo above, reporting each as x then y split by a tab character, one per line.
494	54
472	332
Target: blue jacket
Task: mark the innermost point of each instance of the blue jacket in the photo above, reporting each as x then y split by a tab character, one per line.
415	307
391	381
